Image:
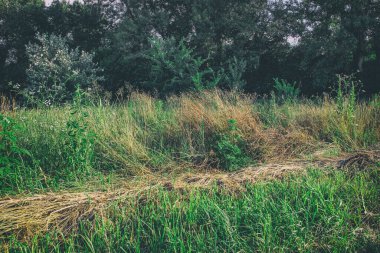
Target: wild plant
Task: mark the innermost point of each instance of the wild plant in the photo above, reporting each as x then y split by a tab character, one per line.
81	139
286	91
234	74
230	148
175	68
347	92
11	154
54	70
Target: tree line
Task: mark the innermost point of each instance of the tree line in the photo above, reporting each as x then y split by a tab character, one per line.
169	46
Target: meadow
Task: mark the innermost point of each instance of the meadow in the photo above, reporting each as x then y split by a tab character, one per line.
217	171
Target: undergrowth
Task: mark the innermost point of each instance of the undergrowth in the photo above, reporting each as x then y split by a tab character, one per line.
16	172
80	139
199	130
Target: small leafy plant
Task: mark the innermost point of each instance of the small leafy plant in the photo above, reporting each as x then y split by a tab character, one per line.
80	144
347	92
230	148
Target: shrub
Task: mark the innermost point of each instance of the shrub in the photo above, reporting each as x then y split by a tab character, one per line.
286	91
175	68
55	69
230	148
233	76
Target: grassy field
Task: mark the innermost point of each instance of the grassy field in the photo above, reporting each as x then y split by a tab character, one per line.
212	171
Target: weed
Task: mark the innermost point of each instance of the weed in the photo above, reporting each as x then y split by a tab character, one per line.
347	92
230	148
17	168
285	91
80	143
10	153
345	124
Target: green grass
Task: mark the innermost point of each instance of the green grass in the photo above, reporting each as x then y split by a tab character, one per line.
322	211
94	148
192	131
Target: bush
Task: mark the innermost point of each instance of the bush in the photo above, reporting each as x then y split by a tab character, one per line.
230	149
55	69
233	76
286	91
174	68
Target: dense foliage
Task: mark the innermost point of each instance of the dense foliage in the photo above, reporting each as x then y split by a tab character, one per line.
55	70
307	42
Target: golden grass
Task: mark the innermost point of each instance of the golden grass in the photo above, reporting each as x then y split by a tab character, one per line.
63	211
7	104
25	217
146	134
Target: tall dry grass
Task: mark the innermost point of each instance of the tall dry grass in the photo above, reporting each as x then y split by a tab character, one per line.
7	104
146	134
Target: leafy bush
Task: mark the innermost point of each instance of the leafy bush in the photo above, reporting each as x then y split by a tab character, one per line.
234	74
175	68
55	69
286	91
230	148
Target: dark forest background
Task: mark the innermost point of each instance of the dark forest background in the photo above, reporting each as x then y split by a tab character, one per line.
171	46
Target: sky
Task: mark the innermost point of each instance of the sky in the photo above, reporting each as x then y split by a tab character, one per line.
48	2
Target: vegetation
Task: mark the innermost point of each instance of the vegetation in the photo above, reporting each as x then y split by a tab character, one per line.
189	126
54	71
92	146
307	42
212	129
321	211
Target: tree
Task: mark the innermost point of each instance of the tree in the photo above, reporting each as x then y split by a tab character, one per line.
55	70
19	20
218	30
338	38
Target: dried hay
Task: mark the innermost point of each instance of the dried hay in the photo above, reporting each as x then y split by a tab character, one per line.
25	217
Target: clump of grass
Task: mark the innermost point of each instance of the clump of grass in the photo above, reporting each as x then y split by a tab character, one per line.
344	120
16	170
321	211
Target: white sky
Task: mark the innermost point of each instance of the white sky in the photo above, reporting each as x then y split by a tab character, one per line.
48	2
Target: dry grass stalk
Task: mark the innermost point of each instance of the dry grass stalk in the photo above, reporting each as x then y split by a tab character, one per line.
7	104
28	216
